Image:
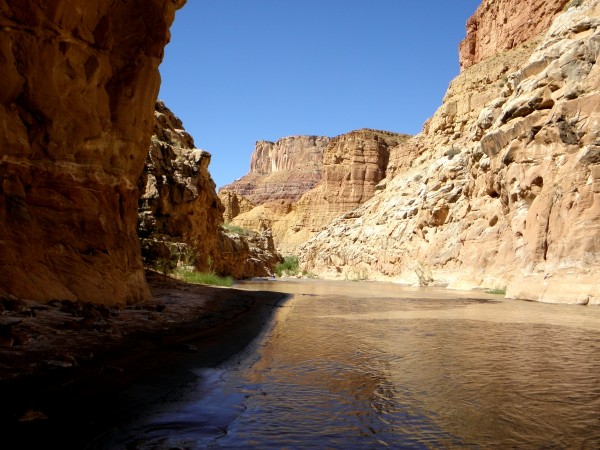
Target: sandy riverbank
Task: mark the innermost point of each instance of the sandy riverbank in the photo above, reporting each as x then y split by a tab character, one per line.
69	373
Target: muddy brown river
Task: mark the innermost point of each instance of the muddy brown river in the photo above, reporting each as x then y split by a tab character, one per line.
375	365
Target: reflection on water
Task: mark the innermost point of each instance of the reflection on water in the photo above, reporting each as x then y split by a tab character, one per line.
364	365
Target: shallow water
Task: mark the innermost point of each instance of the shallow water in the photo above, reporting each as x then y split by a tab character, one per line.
370	365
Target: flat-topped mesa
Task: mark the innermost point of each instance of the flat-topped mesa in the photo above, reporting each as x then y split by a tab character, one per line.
354	164
282	170
76	115
501	25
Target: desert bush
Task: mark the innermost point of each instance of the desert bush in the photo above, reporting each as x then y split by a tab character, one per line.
211	278
498	291
290	266
452	152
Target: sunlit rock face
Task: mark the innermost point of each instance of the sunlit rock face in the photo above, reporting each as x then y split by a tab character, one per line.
79	82
502	187
234	204
501	25
282	170
349	169
180	214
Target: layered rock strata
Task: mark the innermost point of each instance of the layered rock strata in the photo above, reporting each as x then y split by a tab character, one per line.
282	170
180	214
352	166
501	189
76	103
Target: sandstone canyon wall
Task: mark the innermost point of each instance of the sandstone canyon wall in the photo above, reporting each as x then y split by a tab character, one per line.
502	187
180	214
76	115
501	25
349	169
282	170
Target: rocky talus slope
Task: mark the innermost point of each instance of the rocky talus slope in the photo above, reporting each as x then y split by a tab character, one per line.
180	214
502	187
76	115
351	167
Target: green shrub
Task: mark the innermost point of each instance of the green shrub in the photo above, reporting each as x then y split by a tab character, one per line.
210	278
289	266
496	291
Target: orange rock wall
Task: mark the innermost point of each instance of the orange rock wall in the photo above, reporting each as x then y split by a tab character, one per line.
79	82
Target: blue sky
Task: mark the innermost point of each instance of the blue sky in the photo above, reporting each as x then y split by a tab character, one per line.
238	71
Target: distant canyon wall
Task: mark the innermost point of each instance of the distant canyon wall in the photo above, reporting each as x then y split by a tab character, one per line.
344	174
282	170
502	187
76	115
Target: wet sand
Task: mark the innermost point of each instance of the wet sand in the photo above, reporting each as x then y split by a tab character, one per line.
69	374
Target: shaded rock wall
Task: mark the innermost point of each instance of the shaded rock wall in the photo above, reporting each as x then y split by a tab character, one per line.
178	201
180	214
76	104
501	187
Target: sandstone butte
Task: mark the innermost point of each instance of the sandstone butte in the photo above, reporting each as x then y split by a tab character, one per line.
300	183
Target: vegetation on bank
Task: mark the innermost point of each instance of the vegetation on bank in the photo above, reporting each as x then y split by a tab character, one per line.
496	291
211	278
289	267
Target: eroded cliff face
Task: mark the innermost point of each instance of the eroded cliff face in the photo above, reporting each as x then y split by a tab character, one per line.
352	166
282	170
178	203
501	25
181	216
76	104
502	187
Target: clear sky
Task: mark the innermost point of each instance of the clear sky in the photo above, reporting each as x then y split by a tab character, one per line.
238	71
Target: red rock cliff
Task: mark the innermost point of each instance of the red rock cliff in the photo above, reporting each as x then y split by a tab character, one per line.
282	170
79	82
501	25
